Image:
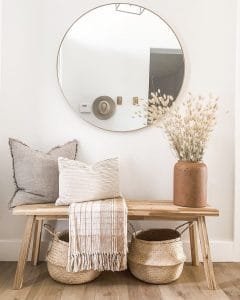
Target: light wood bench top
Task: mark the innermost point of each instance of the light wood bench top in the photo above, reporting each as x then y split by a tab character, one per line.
137	209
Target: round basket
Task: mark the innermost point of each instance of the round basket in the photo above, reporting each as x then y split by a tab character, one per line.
57	261
156	255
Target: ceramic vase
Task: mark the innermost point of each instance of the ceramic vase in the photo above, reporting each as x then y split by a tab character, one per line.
190	184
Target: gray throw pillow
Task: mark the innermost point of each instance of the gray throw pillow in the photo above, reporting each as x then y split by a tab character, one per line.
36	173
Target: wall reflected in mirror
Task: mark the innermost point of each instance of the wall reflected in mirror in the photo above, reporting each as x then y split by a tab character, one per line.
119	54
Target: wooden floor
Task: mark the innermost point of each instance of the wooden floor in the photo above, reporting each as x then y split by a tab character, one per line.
121	285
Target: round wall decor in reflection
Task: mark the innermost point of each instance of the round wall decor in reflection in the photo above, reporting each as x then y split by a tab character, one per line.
124	51
103	107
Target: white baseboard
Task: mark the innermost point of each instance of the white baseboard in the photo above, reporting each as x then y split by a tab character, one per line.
9	250
222	251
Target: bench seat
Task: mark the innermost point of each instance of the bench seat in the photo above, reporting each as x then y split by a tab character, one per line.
136	209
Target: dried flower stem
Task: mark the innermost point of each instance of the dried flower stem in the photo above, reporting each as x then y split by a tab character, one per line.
187	126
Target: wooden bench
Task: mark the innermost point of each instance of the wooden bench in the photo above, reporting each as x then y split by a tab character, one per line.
137	210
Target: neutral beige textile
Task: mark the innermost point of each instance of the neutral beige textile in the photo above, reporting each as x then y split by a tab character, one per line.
80	182
98	235
36	172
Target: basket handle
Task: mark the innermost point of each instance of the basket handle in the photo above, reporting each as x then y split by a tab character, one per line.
189	224
134	232
50	230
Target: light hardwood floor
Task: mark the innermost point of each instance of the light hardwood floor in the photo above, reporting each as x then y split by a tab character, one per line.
121	285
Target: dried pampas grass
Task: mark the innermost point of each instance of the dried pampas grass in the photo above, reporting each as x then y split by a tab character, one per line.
187	125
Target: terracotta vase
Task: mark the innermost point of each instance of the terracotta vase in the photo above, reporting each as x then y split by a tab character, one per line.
190	184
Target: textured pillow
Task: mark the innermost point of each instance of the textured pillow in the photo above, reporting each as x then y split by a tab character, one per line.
36	173
80	182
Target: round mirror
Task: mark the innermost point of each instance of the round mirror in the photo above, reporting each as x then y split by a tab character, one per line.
113	59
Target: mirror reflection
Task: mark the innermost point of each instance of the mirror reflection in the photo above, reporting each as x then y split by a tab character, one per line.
111	61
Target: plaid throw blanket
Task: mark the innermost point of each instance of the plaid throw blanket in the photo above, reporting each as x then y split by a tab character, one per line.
98	235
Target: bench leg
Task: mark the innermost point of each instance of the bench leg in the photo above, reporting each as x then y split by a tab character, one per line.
36	241
206	253
194	243
18	280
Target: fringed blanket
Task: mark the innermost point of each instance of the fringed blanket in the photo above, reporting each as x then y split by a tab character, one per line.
98	235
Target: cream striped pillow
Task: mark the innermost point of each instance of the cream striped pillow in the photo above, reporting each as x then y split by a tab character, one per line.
80	182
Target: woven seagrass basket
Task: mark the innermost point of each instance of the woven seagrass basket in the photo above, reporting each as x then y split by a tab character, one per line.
57	261
156	255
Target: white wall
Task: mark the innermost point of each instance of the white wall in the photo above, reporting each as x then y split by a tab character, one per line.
236	231
33	109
